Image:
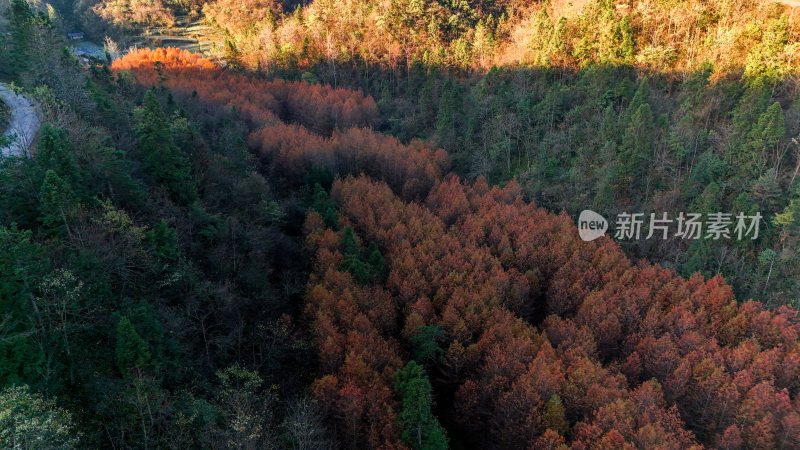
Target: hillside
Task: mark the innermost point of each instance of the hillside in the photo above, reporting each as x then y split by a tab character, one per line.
616	107
471	274
367	241
550	94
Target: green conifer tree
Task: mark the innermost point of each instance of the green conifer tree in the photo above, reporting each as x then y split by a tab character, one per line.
21	266
163	160
131	350
57	203
421	429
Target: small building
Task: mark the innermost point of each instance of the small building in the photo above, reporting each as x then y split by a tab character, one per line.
75	35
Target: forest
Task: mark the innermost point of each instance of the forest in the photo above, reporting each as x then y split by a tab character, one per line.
616	106
353	226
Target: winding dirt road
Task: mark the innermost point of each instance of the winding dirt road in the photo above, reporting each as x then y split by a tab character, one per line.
24	123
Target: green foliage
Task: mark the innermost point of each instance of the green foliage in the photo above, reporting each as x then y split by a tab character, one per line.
58	203
54	153
322	203
246	410
448	113
420	428
21	40
376	262
555	415
789	218
356	267
640	98
132	352
766	192
164	241
96	258
548	39
636	151
768	130
163	160
606	39
709	167
21	266
29	421
615	138
767	59
365	267
425	343
758	128
625	38
232	56
767	257
319	176
349	245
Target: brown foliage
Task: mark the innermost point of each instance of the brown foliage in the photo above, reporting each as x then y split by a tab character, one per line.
293	150
638	356
318	107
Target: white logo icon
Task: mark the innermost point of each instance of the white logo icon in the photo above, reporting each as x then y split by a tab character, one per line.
591	225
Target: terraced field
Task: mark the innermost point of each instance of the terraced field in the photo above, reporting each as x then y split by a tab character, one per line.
186	34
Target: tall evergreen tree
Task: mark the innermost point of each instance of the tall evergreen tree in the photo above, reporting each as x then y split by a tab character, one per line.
131	350
421	429
57	203
322	203
21	266
447	115
764	137
636	151
163	160
21	22
54	153
555	415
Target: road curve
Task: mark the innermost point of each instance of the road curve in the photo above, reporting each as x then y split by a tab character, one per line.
24	123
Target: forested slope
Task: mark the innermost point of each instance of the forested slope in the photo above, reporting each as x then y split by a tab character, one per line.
629	106
201	257
431	297
617	106
150	277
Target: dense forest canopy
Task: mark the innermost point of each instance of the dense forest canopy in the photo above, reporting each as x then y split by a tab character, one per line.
650	106
683	36
353	227
468	280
